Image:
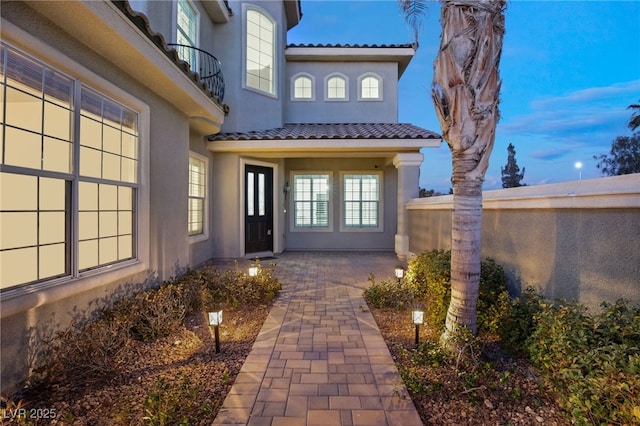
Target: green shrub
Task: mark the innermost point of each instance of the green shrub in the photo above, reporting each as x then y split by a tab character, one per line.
429	278
593	362
388	294
174	403
515	319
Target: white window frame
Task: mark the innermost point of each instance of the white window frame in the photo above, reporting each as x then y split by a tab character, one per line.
273	93
380	227
294	98
293	226
346	87
361	78
176	29
34	48
204	235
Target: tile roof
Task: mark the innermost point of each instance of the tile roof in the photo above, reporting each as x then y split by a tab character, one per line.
332	131
348	45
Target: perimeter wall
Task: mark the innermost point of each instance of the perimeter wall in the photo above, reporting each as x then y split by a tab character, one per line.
576	240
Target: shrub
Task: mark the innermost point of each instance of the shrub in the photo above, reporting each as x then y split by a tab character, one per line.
388	294
429	278
592	362
515	319
156	313
93	352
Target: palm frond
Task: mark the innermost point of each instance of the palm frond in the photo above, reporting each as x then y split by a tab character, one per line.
634	121
414	12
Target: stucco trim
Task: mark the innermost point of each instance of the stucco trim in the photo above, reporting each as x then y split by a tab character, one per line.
278	148
600	193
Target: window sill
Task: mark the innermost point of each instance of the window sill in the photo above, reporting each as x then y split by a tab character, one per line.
31	296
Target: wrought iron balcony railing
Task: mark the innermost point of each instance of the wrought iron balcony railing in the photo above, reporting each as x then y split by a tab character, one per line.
205	64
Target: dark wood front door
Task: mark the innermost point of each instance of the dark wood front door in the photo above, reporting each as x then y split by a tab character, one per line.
258	209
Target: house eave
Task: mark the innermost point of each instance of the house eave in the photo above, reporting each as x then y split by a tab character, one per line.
401	55
102	27
321	147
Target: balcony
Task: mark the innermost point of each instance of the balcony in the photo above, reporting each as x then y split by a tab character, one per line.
207	66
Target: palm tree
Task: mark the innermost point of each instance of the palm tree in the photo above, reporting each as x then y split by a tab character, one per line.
465	90
634	121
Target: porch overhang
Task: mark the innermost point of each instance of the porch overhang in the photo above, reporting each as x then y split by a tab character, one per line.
292	148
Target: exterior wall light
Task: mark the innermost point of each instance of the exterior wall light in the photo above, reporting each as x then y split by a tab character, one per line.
215	319
418	319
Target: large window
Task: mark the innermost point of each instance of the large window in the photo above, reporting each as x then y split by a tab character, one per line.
311	200
187	31
197	193
68	174
361	197
337	88
260	51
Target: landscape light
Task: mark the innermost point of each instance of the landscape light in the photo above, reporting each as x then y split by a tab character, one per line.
253	270
215	319
418	319
399	270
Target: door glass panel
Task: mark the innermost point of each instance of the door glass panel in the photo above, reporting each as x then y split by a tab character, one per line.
250	202
261	205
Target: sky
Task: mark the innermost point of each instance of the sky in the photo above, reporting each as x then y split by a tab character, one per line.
569	71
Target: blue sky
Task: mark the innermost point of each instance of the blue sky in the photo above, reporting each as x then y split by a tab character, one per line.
569	71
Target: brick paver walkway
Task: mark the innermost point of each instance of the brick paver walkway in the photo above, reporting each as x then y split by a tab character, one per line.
320	358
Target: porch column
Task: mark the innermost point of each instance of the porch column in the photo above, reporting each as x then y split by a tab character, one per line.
408	165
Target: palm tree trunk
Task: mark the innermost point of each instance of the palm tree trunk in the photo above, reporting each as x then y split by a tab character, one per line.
466	87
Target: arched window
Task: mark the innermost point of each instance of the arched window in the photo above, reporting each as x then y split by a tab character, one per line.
369	87
302	87
260	51
337	87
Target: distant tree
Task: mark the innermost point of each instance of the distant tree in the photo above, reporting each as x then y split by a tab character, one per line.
634	121
623	158
424	193
511	176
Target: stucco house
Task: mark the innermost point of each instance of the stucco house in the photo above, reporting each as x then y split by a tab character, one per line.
143	137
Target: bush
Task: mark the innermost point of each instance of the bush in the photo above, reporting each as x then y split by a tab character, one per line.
388	294
97	349
429	278
593	362
93	352
156	313
515	319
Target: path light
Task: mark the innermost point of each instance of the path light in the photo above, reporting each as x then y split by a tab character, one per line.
399	270
253	269
215	319
418	319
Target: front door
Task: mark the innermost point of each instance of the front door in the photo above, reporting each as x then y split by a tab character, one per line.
258	209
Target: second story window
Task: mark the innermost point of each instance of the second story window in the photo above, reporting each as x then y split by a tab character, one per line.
260	52
337	88
187	31
302	88
370	87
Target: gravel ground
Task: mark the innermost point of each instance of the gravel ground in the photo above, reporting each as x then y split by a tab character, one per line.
182	378
508	393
